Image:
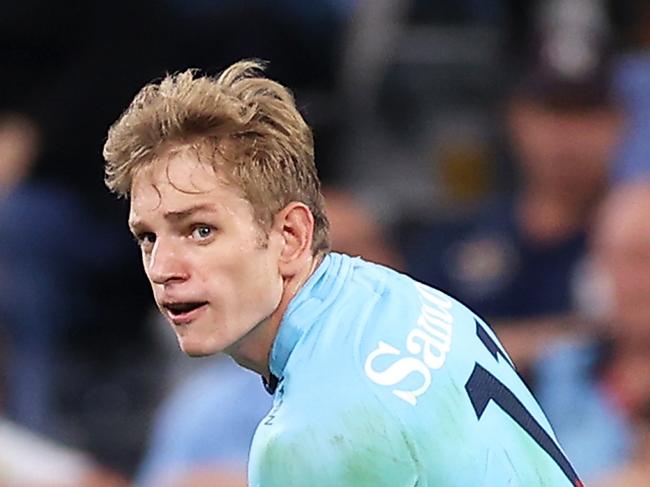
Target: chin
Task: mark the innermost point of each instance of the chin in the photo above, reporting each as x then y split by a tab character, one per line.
198	348
196	353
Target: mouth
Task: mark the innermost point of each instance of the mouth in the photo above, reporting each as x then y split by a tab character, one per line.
182	313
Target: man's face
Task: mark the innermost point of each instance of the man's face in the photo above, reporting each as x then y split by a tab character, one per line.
213	271
622	249
567	149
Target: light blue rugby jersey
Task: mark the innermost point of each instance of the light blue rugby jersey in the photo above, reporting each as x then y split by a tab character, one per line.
385	382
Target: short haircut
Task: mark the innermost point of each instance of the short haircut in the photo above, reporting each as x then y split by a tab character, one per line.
257	137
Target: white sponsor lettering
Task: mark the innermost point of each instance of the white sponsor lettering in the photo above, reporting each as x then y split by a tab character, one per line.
428	343
397	372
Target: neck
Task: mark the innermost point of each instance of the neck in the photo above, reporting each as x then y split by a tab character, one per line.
253	351
551	216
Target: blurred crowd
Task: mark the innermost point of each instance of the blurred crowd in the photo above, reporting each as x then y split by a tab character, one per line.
495	149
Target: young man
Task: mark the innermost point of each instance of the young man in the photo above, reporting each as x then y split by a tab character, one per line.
377	379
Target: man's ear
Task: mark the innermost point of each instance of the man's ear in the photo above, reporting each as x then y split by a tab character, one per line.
295	224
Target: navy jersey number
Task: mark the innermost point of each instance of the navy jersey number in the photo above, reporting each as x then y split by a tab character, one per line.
482	387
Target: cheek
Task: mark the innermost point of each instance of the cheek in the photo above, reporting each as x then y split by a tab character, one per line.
249	281
265	283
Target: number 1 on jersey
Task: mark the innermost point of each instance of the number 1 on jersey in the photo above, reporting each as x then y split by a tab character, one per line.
483	387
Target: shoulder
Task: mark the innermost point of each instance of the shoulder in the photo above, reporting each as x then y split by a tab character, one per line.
389	330
323	441
416	321
384	327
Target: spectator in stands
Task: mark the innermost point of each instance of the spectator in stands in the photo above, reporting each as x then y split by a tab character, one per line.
520	257
596	391
47	242
355	231
33	306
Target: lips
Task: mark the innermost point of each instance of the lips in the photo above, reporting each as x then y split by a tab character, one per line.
183	312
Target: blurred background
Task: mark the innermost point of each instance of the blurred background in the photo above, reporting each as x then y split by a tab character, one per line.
495	149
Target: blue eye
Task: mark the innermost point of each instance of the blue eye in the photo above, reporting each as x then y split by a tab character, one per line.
201	232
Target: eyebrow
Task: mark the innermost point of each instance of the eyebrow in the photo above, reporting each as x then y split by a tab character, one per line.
187	212
177	215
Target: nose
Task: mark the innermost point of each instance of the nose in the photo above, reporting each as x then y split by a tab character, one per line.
165	263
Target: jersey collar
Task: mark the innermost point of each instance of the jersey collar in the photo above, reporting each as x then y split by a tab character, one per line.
308	304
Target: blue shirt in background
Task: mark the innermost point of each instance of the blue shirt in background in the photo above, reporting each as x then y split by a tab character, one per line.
208	421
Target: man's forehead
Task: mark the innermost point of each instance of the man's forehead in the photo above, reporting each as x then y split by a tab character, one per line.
178	205
169	187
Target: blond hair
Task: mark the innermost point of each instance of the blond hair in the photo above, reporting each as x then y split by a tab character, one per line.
270	147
